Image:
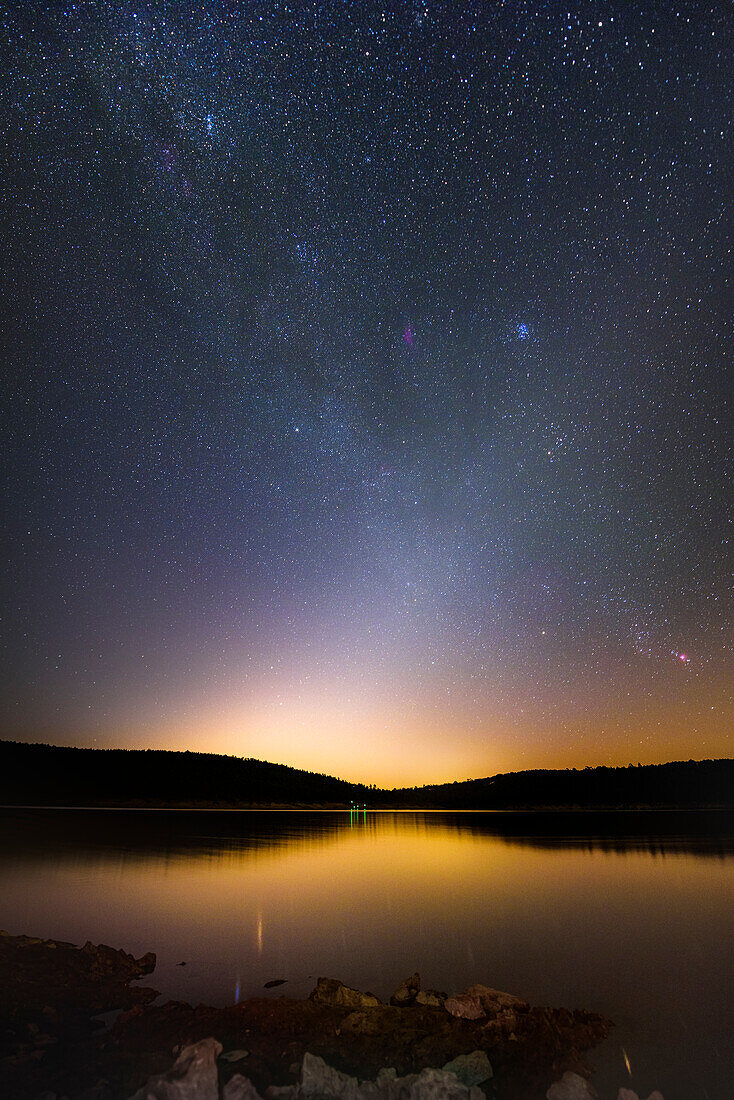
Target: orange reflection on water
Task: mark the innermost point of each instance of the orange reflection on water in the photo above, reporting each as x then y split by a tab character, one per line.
641	934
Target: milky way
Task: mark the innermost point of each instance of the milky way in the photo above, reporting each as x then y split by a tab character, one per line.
365	381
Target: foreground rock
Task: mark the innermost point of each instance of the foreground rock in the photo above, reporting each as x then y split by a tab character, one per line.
329	991
51	991
53	987
571	1087
628	1094
520	1048
193	1077
471	1069
407	992
57	975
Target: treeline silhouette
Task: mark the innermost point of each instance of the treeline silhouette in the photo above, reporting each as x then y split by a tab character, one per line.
47	775
684	783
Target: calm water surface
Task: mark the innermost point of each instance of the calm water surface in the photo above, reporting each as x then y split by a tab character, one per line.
625	914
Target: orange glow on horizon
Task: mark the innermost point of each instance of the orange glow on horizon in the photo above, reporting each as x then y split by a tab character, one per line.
394	749
399	734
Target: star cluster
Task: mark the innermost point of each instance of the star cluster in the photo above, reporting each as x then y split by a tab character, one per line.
365	381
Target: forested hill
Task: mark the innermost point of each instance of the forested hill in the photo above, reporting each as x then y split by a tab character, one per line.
689	783
53	776
47	775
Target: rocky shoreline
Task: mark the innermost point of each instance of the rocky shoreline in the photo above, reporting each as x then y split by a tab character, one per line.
339	1042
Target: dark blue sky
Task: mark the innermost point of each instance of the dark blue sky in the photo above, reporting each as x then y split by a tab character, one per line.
365	381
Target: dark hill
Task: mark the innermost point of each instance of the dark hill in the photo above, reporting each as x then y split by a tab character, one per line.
53	776
48	775
689	783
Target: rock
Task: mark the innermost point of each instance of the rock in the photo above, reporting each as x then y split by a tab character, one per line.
329	991
108	960
193	1076
471	1069
405	994
494	1000
628	1094
281	1092
430	998
233	1055
319	1079
367	1022
464	1006
436	1084
571	1087
240	1088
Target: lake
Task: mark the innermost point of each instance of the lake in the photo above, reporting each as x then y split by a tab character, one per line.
628	914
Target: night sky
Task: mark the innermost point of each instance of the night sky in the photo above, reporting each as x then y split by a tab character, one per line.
365	381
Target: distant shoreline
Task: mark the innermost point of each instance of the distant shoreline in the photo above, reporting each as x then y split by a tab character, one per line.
186	808
37	775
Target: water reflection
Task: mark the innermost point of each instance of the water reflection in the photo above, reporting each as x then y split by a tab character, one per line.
28	832
706	832
575	909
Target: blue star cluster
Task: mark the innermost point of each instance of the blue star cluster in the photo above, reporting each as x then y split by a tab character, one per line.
365	394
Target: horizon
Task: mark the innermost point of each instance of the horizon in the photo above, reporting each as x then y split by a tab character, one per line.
367	783
366	383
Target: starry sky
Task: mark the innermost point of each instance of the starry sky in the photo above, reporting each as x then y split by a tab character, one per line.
365	381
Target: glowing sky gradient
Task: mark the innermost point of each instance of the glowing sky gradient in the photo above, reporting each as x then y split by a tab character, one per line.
365	391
